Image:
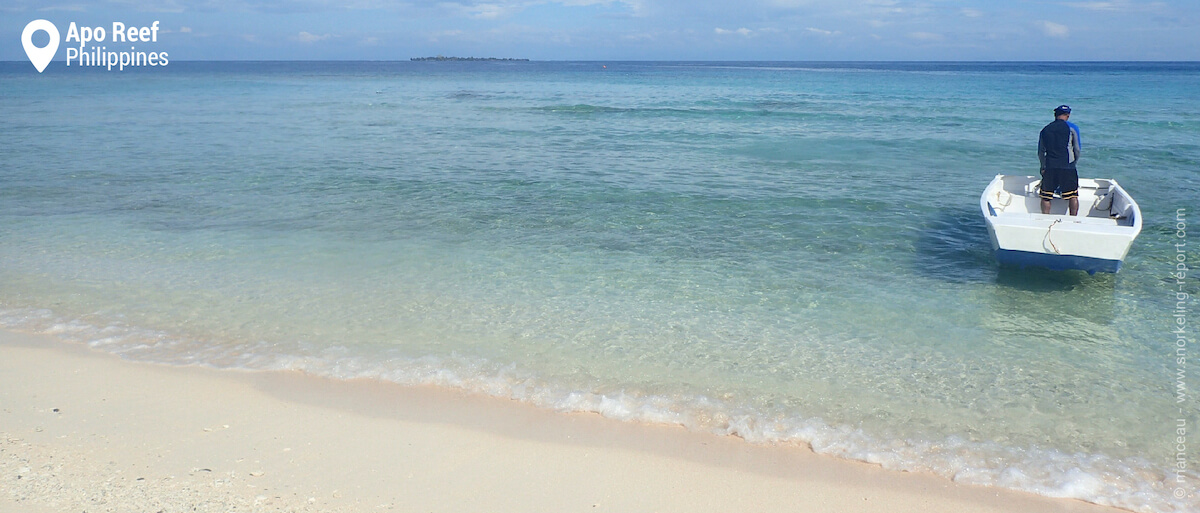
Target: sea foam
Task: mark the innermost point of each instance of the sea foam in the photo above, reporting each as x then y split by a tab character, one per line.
1131	483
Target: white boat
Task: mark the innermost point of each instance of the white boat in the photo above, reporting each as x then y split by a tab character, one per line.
1096	240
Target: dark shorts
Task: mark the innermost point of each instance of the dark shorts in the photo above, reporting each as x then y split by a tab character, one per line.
1063	181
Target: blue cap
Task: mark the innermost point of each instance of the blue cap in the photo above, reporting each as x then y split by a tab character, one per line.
1062	109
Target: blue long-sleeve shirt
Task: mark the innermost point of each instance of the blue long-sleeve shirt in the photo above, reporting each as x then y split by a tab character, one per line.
1058	145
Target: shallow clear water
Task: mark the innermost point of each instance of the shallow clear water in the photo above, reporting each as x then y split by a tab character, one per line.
788	252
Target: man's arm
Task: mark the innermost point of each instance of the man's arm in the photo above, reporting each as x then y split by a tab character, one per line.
1075	140
1041	155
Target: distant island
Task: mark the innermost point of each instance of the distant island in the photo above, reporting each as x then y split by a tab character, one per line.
444	58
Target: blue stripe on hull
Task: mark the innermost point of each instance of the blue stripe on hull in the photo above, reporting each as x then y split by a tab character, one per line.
1057	262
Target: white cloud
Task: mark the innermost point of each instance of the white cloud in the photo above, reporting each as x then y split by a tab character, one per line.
487	11
850	9
926	36
972	13
742	31
182	30
789	4
68	8
484	11
305	37
1094	6
644	36
1118	6
823	32
451	34
1052	29
172	6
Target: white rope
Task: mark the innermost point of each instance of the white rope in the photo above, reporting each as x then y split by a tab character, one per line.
1003	203
1047	238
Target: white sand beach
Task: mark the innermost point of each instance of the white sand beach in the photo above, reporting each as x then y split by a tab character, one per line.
85	431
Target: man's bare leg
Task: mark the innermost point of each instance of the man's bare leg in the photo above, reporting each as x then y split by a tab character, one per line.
1072	205
1046	206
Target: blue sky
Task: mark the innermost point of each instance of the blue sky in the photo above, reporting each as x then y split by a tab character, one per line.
639	29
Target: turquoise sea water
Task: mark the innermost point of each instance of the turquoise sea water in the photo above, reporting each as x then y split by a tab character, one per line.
788	252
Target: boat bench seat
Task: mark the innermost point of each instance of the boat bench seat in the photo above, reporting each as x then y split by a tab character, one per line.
1100	221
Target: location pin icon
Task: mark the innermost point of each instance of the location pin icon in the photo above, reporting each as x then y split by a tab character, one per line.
40	57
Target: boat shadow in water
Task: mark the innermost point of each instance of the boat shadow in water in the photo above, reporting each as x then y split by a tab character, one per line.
953	246
1039	279
1044	295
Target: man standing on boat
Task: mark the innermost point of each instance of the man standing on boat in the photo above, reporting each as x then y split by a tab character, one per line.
1058	149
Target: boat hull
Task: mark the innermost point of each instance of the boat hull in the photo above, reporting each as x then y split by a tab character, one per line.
1097	240
1025	259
